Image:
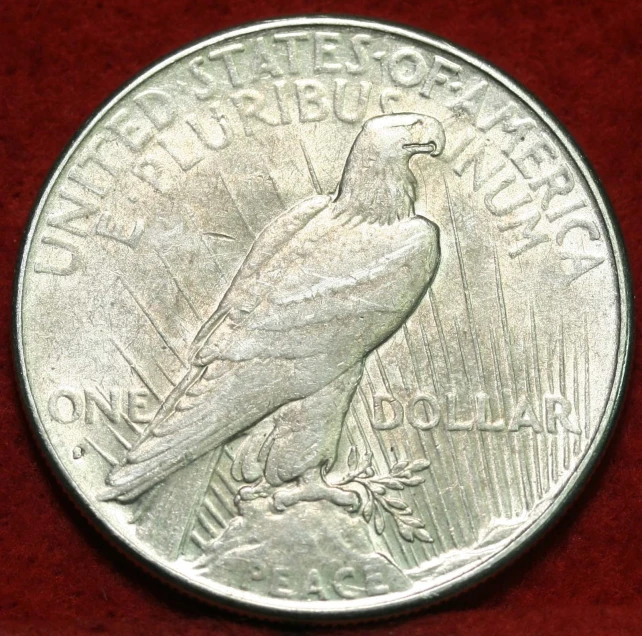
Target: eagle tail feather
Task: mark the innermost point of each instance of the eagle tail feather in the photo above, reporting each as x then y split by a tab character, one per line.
131	479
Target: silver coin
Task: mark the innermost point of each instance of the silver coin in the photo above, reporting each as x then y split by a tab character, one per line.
323	318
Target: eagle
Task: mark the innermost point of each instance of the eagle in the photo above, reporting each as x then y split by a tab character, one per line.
278	362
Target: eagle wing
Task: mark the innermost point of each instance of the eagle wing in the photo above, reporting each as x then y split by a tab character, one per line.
243	296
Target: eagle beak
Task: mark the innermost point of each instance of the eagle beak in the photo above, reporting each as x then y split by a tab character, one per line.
432	140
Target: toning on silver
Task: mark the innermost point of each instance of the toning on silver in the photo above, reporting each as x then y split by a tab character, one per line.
322	318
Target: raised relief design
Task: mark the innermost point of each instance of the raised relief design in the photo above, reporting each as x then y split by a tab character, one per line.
308	346
278	364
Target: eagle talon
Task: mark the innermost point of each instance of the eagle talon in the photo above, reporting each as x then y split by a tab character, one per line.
354	507
287	497
255	491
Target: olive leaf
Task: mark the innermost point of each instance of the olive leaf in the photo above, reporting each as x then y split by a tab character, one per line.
418	465
423	536
396	503
353	458
406	533
390	482
379	521
378	503
413	521
367	509
413	481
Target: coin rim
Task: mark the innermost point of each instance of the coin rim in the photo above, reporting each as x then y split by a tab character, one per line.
385	604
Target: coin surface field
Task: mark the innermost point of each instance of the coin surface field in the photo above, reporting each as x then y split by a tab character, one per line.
322	318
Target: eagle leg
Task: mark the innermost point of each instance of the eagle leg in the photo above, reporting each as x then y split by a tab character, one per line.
311	486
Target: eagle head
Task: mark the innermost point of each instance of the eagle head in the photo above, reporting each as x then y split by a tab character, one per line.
378	185
403	135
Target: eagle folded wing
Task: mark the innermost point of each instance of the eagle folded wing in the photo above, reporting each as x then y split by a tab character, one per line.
244	292
178	421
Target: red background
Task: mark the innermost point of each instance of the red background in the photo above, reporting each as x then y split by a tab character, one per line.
60	59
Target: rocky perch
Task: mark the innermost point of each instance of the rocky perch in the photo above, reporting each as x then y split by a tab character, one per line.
311	551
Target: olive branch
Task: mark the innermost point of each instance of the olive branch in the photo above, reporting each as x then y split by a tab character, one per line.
379	501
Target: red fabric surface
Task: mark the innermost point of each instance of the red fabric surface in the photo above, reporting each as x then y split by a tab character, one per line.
60	59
